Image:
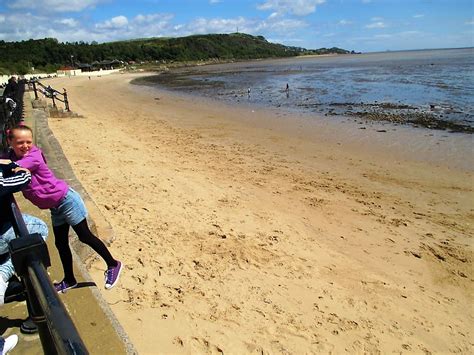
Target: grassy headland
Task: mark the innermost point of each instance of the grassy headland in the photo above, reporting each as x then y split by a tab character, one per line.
49	54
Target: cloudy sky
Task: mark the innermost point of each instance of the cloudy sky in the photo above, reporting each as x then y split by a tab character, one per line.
361	25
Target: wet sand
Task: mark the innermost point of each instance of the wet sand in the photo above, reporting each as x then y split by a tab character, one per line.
249	231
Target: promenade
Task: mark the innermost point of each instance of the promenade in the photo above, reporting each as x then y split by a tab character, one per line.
95	322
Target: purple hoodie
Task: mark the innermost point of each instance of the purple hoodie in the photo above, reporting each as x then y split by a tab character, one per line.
45	190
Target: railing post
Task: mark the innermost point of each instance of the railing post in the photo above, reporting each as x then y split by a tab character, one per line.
38	316
52	97
36	92
66	102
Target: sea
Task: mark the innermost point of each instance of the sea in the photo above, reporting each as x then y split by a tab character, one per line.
427	88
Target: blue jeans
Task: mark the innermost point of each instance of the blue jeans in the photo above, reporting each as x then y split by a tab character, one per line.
34	225
71	210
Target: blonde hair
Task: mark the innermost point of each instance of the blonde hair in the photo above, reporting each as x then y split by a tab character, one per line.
11	132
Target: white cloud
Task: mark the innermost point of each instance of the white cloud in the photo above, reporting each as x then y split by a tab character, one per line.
376	25
152	18
214	1
37	26
274	15
53	5
218	25
118	28
418	16
141	26
294	7
68	22
273	24
376	18
366	1
469	22
344	22
283	26
113	23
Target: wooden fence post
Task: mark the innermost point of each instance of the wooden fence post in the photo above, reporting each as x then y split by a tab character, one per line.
66	102
36	92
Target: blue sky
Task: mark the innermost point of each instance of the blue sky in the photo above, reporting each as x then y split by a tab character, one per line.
361	25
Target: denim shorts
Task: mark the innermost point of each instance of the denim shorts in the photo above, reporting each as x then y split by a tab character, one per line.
71	210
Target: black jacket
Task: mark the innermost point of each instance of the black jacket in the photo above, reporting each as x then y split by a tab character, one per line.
9	183
11	89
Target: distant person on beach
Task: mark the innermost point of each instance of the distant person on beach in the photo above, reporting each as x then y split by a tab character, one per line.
287	90
66	206
248	93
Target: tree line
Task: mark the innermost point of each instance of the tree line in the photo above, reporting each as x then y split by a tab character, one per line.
47	55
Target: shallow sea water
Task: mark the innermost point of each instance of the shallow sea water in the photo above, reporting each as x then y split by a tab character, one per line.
439	83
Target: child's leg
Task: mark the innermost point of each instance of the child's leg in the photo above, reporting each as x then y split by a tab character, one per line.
85	235
61	240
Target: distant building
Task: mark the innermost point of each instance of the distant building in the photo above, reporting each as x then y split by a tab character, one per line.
66	70
84	67
107	64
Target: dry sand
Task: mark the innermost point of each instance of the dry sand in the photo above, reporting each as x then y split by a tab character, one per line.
246	231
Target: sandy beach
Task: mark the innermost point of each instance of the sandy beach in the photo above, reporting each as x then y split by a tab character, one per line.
250	231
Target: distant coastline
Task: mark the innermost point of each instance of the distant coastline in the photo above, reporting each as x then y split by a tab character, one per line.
416	50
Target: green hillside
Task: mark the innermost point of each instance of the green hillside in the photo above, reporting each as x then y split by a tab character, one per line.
48	54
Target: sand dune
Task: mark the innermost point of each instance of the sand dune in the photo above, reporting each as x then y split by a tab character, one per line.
245	231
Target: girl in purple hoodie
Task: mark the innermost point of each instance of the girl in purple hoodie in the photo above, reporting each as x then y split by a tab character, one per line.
66	206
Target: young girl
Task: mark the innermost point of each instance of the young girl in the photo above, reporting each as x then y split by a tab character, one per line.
66	206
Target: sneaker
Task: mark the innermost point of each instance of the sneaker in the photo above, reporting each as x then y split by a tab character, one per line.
63	286
15	291
10	343
112	275
28	327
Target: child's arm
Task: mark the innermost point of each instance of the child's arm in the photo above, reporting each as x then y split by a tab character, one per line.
29	162
14	183
7	167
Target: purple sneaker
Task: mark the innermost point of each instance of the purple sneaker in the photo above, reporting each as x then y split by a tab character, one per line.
112	275
63	286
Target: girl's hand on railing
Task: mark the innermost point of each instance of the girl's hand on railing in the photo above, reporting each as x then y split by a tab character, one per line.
5	161
20	169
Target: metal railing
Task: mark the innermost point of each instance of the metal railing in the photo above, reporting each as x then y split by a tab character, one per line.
30	258
50	93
